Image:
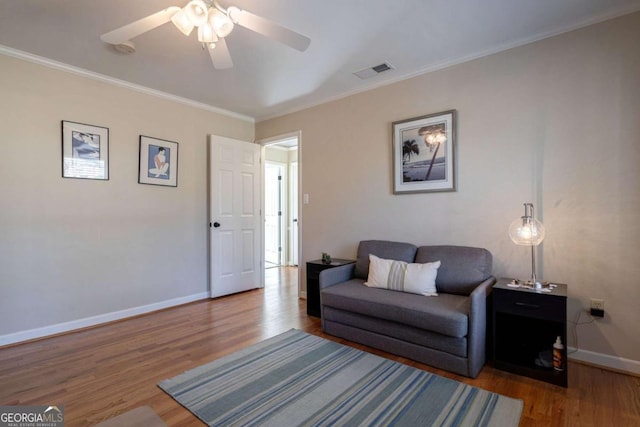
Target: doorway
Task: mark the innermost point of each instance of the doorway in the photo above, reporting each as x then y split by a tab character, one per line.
274	210
281	208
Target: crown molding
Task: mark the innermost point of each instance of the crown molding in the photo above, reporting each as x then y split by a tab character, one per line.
15	53
588	21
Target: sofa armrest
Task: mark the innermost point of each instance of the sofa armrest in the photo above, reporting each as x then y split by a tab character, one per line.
333	276
477	336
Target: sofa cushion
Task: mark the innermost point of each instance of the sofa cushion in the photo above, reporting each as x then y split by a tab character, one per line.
461	268
402	276
390	250
447	344
446	315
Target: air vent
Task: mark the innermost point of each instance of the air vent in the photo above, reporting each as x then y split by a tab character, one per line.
382	67
374	71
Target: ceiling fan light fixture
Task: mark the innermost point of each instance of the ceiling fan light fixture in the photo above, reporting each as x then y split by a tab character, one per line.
214	23
234	14
220	22
125	47
182	22
196	10
206	34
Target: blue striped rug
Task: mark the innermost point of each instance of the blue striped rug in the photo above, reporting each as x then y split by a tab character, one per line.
297	379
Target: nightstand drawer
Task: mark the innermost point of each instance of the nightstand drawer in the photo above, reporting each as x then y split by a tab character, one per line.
526	323
539	306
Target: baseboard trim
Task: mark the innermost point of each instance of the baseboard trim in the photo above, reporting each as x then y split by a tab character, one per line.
618	364
606	361
86	322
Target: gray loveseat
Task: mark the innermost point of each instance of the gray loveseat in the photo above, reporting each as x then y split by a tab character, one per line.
447	331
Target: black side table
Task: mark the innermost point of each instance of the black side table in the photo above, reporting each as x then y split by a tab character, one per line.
526	323
313	282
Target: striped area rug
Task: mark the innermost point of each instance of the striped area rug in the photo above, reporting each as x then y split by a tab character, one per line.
297	379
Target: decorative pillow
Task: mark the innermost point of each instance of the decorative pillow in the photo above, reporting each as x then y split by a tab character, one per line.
402	276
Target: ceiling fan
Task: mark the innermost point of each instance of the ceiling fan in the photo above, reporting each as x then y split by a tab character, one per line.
213	23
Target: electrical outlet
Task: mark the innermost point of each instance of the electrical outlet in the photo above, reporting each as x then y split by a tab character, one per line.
597	307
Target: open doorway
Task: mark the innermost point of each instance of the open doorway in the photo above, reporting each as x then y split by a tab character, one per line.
281	209
275	210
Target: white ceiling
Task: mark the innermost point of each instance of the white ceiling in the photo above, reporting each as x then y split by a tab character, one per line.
268	78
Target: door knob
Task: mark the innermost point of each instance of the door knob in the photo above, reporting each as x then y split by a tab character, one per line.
216	224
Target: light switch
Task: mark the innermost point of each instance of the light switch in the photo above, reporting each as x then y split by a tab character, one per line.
305	198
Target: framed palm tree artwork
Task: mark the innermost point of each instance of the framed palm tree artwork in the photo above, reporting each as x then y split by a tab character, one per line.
423	153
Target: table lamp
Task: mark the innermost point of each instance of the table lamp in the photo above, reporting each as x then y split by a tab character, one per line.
528	231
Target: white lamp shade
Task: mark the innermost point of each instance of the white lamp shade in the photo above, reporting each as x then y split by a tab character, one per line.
206	34
182	22
220	22
196	10
526	231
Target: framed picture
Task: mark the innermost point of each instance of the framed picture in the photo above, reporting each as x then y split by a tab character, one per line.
158	162
423	153
85	151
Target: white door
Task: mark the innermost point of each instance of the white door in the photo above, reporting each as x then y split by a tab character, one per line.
272	214
293	182
234	186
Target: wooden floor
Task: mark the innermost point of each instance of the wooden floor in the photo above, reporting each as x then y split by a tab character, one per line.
101	372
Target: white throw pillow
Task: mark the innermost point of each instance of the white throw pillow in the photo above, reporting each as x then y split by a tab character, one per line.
402	276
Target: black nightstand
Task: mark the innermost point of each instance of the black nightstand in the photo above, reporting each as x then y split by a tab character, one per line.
313	282
526	323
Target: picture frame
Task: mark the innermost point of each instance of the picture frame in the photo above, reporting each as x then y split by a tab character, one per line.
424	153
85	151
158	162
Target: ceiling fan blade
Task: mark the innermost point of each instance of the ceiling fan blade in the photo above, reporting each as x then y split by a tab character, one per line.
269	29
141	26
220	55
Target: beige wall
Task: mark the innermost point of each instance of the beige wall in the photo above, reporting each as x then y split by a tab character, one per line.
555	123
72	249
